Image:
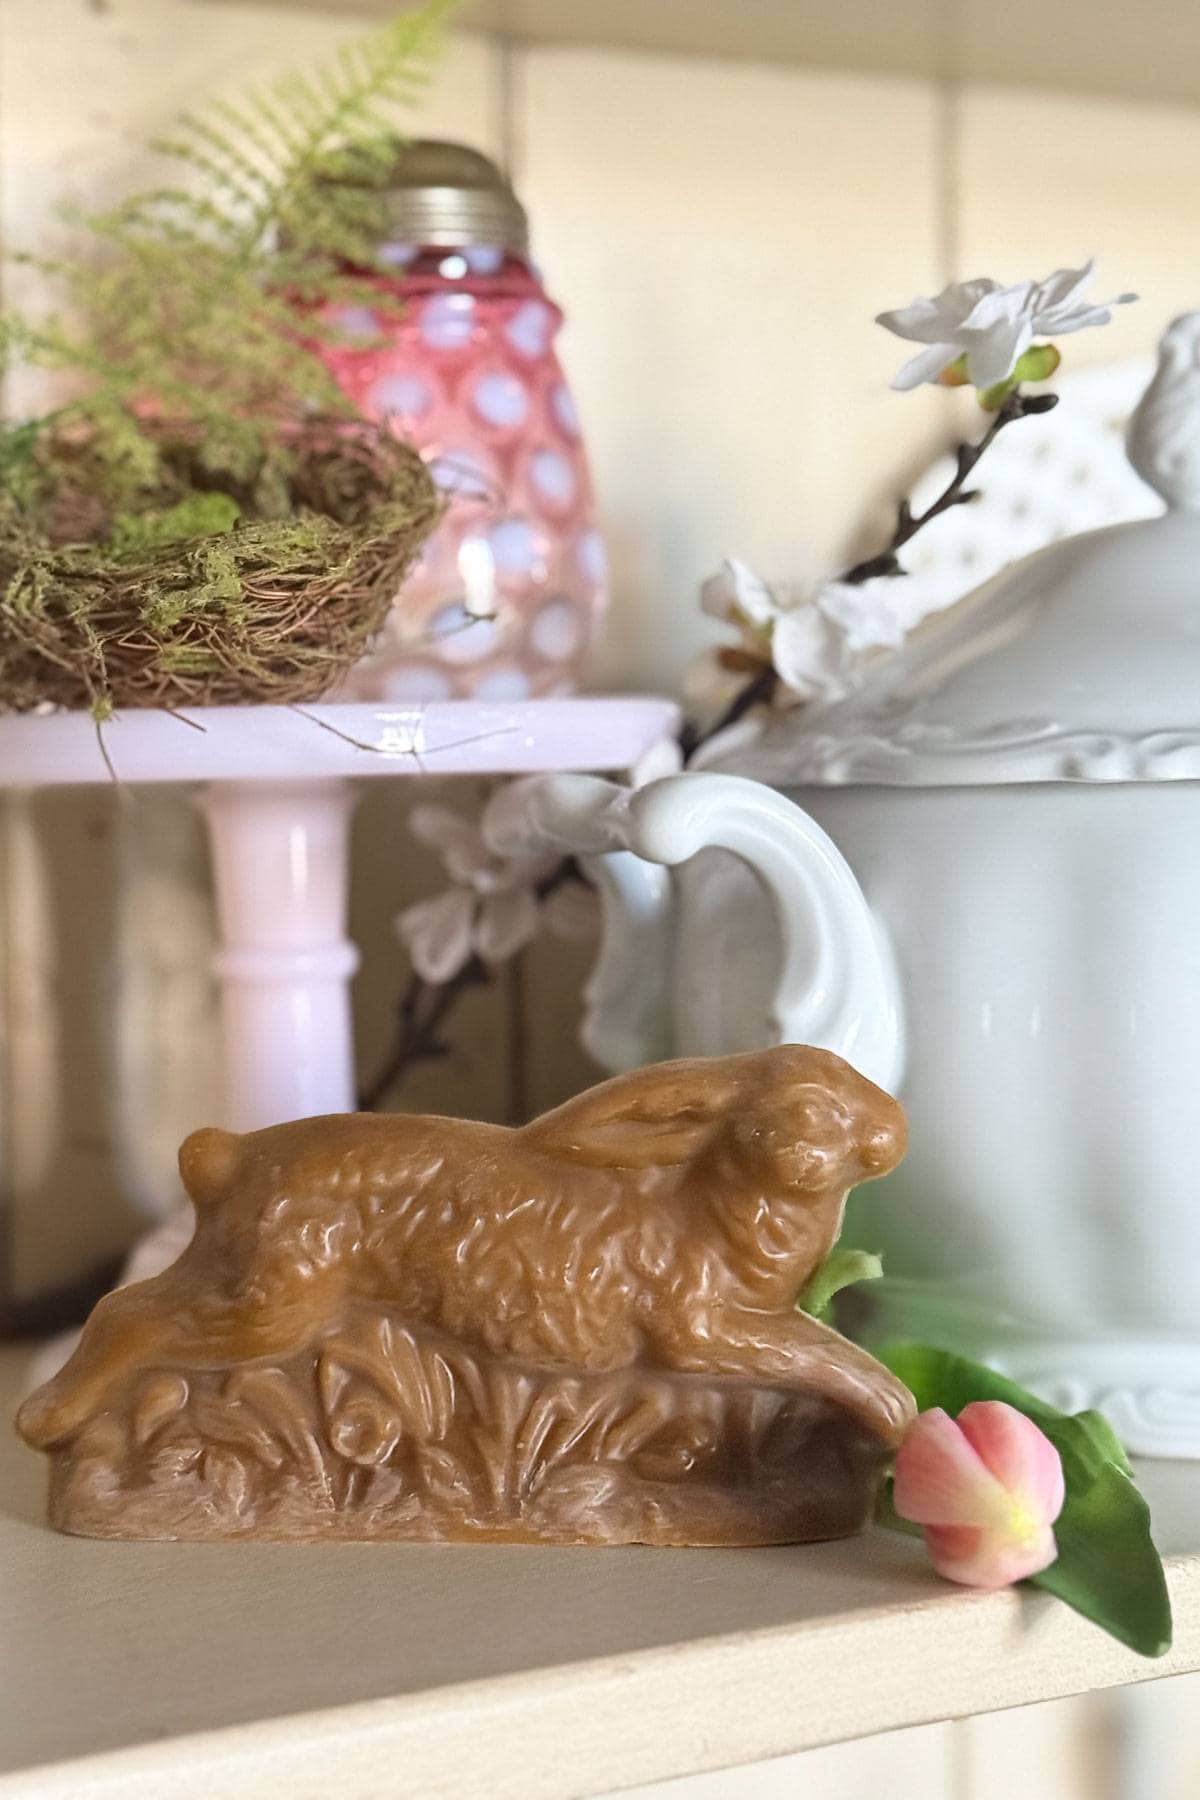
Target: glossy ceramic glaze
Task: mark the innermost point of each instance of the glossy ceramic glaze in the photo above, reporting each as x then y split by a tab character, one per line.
1016	953
582	1330
1050	979
465	369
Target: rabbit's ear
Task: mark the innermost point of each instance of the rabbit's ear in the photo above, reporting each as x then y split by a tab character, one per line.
659	1115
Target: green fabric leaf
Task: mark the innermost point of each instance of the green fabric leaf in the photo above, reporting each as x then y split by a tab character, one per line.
1107	1566
1105	1439
841	1269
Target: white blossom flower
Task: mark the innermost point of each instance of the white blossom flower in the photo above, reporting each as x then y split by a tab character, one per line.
865	612
814	636
776	624
493	908
737	596
810	654
993	325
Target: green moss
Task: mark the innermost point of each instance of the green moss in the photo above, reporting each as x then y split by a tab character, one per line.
207	519
188	294
196	516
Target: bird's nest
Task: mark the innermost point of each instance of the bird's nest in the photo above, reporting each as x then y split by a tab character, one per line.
99	612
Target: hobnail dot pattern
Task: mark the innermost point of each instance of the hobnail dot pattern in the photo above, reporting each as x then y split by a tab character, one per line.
468	373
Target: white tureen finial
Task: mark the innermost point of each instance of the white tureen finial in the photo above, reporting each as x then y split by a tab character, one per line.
1164	433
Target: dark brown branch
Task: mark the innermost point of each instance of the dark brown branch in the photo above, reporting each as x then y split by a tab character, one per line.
425	1007
955	493
762	686
759	690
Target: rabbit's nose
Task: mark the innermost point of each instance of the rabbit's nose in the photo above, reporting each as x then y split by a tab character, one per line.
881	1149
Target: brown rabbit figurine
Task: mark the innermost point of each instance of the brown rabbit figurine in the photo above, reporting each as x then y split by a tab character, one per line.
580	1330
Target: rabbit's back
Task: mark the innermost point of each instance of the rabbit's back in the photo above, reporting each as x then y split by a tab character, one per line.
473	1228
532	1257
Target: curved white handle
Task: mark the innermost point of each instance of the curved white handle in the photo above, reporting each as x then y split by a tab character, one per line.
837	985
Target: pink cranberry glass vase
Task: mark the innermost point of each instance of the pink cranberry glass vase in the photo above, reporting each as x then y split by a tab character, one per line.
458	353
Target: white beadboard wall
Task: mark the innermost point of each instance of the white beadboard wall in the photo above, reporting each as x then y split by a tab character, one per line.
720	235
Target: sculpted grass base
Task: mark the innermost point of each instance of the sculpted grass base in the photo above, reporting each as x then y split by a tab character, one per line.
581	1331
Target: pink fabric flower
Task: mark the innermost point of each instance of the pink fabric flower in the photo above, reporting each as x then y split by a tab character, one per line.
986	1488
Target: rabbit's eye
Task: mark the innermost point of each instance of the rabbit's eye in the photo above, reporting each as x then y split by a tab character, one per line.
817	1115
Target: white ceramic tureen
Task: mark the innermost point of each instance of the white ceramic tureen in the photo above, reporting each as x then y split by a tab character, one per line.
1016	953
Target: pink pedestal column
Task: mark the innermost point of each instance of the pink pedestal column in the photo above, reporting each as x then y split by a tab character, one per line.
280	859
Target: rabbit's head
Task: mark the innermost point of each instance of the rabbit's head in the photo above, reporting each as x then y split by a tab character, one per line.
792	1119
807	1123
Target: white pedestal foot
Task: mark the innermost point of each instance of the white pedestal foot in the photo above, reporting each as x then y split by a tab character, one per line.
280	856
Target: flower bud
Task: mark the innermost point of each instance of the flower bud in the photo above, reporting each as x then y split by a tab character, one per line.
986	1489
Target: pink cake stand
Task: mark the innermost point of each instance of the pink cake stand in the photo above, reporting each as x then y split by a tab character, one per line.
277	788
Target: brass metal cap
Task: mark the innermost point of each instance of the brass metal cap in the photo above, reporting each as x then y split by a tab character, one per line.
448	194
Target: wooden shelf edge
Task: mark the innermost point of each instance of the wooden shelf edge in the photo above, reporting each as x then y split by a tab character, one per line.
1097	47
623	1720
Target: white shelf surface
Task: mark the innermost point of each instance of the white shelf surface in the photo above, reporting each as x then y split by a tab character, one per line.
365	1671
1150	51
324	743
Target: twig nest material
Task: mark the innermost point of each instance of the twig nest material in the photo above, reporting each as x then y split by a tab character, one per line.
231	609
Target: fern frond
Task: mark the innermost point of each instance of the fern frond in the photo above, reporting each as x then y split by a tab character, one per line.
278	200
176	215
266	155
212	154
17	338
260	127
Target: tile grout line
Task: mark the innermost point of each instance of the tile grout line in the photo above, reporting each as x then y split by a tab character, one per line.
948	142
508	98
7	833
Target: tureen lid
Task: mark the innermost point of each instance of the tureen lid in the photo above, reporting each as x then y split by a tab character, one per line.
1079	663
